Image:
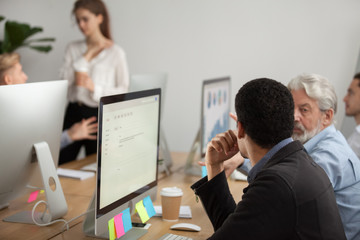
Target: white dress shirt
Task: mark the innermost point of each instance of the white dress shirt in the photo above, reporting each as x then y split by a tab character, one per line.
108	70
354	141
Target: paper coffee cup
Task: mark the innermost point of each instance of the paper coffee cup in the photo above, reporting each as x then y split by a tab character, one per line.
170	202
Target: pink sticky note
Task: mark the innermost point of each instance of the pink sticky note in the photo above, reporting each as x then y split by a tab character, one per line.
119	226
33	196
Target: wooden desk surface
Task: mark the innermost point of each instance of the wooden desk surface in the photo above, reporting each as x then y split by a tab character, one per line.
78	195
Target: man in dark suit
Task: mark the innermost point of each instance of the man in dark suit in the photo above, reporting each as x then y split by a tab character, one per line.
279	202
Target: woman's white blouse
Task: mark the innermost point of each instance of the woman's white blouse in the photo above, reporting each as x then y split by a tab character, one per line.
108	70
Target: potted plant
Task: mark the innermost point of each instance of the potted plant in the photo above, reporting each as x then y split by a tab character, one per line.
16	35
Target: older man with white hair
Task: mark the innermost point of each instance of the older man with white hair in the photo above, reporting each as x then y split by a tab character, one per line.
315	106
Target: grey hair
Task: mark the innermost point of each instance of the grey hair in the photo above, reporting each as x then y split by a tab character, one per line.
316	87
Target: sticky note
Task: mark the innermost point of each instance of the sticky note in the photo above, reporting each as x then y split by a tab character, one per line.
42	191
33	196
142	211
126	219
149	206
111	227
203	171
119	226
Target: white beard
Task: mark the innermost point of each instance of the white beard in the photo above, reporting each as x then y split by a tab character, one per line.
306	135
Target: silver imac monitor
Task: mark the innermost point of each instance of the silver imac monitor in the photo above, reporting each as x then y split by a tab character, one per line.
128	147
31	124
215	109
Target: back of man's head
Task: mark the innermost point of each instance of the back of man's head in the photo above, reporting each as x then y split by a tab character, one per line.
265	108
7	61
316	87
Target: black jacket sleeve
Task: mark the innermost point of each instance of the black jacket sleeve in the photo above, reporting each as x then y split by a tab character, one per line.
266	211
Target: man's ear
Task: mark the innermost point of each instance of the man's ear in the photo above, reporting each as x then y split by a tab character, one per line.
7	79
327	117
240	130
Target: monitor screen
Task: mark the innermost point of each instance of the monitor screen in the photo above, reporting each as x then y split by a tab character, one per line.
128	143
30	113
215	109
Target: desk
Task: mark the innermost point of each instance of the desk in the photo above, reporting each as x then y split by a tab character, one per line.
78	195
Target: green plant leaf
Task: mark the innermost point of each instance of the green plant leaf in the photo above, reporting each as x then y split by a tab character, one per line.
2	18
42	48
16	33
41	40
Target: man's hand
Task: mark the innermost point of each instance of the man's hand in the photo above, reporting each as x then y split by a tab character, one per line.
230	165
83	130
221	148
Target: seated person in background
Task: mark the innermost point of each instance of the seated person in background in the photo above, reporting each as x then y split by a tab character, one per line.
315	105
279	203
352	108
11	73
11	70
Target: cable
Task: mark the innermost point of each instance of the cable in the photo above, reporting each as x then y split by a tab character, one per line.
44	224
66	223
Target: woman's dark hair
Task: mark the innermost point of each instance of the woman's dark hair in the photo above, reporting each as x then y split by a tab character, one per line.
265	108
96	7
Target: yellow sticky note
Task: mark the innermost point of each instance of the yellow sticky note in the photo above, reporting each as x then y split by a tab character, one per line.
111	226
42	191
142	211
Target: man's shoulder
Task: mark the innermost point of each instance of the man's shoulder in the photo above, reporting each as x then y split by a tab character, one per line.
297	168
332	144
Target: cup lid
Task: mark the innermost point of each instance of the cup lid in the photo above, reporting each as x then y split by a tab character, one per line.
171	192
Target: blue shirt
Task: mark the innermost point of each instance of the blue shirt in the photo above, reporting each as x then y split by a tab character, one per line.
258	166
330	150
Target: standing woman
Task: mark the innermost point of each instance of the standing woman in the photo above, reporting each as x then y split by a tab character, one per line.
95	67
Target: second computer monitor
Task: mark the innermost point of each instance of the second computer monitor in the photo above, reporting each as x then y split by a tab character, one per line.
128	144
215	108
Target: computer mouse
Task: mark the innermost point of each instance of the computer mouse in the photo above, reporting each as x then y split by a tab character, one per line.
186	227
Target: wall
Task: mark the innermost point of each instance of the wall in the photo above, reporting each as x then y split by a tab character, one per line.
197	40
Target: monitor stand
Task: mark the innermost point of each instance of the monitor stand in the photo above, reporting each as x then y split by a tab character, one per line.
164	161
191	167
56	203
89	226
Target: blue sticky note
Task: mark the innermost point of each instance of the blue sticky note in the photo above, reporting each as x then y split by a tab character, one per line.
149	206
203	171
126	219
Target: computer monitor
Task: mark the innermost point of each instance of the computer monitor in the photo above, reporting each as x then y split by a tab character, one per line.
30	127
128	146
215	109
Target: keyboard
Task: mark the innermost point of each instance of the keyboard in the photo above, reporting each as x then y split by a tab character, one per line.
90	167
170	236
